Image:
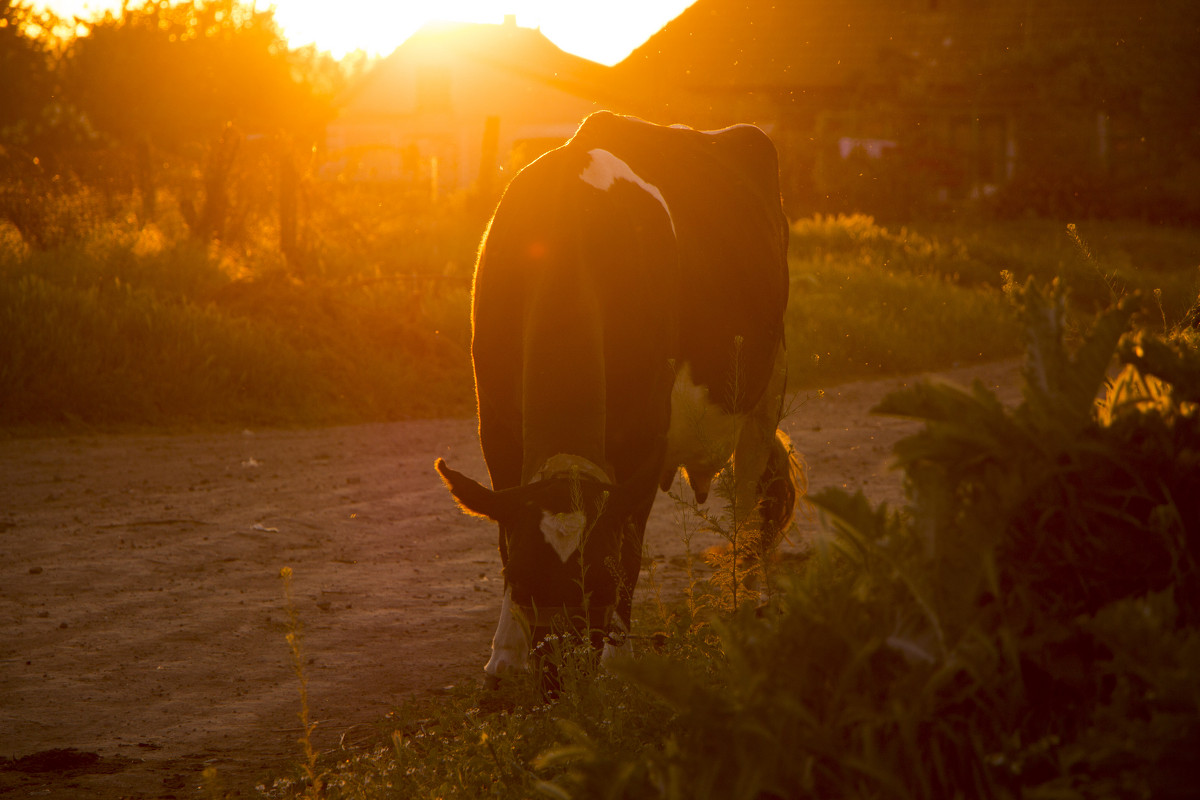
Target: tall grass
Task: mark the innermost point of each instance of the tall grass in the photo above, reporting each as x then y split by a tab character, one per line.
126	322
118	354
868	301
130	324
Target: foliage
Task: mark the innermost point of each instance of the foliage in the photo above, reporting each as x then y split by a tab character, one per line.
1026	626
295	640
506	742
176	73
121	324
868	299
369	318
181	96
867	302
1133	71
26	80
993	638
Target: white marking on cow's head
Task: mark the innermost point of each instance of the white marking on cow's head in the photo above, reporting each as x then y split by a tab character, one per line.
605	169
510	645
564	532
702	434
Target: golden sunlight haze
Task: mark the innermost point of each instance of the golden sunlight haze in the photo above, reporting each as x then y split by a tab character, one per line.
604	32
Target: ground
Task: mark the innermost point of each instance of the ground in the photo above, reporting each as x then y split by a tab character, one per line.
143	618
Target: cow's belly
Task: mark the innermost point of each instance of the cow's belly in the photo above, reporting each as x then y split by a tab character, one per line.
702	434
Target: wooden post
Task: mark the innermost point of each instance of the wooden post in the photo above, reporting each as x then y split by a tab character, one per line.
488	154
288	187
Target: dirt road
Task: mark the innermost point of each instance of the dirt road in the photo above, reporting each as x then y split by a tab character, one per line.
142	616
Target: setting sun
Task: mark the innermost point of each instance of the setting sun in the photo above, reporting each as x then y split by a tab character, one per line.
603	32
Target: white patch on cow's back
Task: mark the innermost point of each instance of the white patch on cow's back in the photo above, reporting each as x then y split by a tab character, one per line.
563	532
605	169
510	645
702	434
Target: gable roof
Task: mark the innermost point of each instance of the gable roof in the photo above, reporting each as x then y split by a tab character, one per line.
523	52
758	43
788	44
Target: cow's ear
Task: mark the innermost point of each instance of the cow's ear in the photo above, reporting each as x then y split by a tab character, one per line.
471	496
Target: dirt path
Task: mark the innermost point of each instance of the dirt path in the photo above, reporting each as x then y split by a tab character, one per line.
142	617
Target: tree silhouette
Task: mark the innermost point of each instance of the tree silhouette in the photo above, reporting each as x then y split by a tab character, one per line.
26	79
177	74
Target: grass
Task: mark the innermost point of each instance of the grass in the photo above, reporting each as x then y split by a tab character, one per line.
510	742
126	323
1027	625
869	301
138	325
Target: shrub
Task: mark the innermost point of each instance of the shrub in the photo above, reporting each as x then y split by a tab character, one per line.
1025	626
867	302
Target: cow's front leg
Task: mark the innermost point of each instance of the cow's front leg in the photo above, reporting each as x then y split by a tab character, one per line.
510	645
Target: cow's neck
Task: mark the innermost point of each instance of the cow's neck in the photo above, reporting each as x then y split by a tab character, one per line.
564	393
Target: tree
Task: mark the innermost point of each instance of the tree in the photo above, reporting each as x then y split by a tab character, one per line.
1128	75
26	80
177	74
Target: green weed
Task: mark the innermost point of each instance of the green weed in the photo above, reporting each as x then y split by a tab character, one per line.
314	779
1026	625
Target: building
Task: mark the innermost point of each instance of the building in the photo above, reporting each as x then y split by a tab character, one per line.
458	105
912	104
956	97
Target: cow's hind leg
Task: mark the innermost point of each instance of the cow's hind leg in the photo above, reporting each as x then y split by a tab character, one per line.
768	479
780	487
502	452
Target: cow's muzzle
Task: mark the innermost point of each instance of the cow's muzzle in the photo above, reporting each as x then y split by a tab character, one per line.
572	625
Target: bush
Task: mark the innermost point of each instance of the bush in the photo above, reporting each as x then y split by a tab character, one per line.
125	323
867	301
1025	626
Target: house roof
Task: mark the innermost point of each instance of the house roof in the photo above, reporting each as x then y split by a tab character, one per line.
786	44
524	52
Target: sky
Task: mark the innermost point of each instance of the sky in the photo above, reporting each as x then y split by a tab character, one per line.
601	30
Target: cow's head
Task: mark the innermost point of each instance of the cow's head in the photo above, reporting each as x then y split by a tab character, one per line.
561	542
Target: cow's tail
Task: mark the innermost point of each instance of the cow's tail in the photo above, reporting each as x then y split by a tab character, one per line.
780	490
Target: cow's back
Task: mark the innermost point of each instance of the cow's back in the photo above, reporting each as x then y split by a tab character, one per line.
722	188
574	318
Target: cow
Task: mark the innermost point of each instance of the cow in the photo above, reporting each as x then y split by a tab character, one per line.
627	320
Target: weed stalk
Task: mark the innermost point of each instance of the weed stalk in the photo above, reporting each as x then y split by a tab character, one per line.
296	647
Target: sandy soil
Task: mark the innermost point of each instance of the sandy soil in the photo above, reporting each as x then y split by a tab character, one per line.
142	616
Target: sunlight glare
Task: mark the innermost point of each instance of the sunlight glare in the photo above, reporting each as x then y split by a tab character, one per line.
604	32
601	30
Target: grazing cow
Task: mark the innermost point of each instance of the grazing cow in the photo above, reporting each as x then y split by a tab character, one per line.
627	321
